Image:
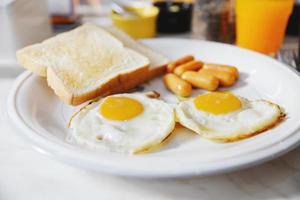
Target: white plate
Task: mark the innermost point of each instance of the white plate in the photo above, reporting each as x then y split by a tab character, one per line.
43	119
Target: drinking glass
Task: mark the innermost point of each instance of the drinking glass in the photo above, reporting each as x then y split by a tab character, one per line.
261	24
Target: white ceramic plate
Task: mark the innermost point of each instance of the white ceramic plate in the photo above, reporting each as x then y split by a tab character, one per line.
43	118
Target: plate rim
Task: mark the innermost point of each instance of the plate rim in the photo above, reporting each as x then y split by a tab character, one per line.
63	154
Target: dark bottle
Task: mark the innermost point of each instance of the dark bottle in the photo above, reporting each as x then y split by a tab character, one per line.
174	16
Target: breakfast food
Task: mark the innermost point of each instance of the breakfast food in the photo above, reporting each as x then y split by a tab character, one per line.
225	117
90	61
172	65
119	122
193	65
125	123
177	85
202	75
224	68
225	79
201	80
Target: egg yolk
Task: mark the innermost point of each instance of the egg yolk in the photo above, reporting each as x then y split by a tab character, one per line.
217	102
120	108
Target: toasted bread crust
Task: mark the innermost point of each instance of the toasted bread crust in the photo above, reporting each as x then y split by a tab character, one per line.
157	71
119	84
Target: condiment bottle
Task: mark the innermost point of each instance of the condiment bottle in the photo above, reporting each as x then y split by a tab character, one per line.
175	16
214	20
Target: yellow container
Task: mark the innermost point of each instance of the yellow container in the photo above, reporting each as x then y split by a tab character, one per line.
143	25
261	24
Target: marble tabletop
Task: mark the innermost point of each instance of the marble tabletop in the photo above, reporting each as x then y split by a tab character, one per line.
28	174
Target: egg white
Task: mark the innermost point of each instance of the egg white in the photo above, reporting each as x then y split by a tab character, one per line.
151	127
253	117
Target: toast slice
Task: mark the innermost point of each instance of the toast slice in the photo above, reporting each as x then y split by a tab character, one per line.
85	63
90	61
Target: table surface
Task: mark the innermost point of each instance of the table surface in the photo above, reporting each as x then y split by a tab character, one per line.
28	174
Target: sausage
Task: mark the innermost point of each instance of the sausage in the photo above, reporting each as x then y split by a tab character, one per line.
224	68
225	78
177	85
172	65
193	65
201	80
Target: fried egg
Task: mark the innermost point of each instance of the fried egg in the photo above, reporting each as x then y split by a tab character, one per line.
225	117
125	123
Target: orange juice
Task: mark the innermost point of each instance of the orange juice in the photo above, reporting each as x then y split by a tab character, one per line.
261	24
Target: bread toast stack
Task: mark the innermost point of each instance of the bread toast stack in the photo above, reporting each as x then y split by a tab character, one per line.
91	61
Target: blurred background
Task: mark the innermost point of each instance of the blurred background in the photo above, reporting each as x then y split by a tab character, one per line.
270	27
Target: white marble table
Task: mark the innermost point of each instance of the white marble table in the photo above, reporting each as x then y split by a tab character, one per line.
27	174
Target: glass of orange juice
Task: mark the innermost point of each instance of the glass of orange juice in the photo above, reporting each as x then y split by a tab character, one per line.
261	24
